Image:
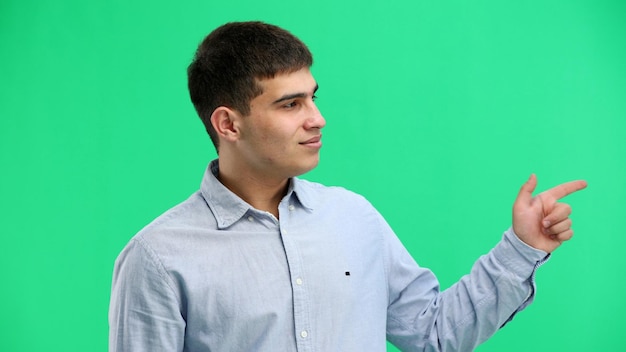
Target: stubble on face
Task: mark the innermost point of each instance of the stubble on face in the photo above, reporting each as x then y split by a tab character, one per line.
281	136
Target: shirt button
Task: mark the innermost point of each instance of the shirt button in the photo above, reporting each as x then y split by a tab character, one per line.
250	218
291	207
299	281
304	334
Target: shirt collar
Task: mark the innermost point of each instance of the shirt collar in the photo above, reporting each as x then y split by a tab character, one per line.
228	208
302	192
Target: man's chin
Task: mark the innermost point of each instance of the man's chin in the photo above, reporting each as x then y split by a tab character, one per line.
306	168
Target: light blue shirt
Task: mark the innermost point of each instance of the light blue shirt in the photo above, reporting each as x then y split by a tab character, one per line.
214	274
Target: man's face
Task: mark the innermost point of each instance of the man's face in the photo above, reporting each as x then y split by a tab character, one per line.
281	137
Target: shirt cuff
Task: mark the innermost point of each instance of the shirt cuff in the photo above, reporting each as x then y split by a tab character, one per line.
518	257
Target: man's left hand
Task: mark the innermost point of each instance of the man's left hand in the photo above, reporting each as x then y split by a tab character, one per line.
541	221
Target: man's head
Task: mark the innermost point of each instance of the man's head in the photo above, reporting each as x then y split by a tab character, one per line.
230	62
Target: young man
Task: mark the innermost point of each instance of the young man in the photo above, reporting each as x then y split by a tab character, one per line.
259	260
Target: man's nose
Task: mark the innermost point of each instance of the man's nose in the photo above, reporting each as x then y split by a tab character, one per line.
315	120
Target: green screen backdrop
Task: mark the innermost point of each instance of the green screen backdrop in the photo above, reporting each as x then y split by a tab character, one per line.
437	112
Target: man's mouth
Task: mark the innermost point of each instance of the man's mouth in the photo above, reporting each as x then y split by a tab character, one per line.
313	141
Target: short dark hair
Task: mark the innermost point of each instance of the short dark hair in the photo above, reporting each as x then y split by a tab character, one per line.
232	59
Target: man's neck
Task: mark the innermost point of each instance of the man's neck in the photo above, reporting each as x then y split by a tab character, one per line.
263	194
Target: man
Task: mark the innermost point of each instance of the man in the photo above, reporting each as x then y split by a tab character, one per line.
259	260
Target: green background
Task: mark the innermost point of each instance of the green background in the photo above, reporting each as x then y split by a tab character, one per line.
437	112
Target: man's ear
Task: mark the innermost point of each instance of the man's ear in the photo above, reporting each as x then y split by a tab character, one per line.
224	121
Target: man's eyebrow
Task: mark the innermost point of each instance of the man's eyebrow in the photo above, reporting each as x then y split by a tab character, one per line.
294	95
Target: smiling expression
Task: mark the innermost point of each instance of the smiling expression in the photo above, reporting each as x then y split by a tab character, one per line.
281	137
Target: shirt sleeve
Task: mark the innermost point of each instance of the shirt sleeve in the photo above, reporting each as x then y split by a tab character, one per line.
421	318
144	312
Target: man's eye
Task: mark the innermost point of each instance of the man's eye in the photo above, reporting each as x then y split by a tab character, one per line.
290	105
314	98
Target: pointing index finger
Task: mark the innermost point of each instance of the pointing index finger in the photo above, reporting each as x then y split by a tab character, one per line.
565	189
